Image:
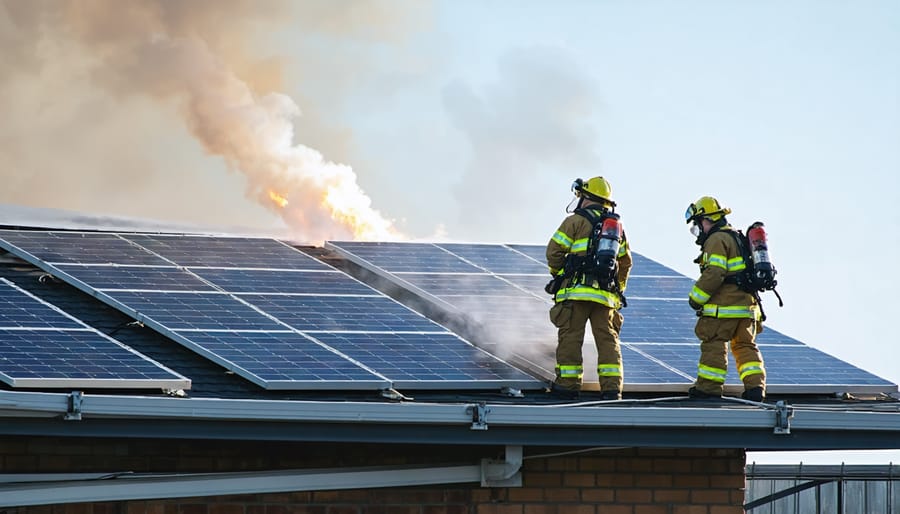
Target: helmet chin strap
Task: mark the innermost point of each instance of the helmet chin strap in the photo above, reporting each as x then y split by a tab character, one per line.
577	202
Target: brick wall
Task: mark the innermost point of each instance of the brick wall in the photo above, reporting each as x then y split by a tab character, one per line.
615	481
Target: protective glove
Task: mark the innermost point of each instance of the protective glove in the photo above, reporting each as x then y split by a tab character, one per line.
694	305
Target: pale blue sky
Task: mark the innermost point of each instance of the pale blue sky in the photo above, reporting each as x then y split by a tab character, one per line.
471	119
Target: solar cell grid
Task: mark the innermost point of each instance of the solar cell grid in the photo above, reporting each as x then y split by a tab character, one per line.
81	358
80	248
639	369
415	257
794	368
229	327
106	277
657	318
531	283
426	361
282	360
193	310
495	259
20	310
643	266
339	313
456	284
231	252
237	280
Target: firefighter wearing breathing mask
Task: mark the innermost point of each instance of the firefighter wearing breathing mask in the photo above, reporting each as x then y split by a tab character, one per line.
589	259
728	316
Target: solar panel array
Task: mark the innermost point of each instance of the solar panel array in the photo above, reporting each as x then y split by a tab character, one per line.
266	311
498	289
43	347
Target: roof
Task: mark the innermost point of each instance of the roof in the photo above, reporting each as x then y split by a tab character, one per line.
224	404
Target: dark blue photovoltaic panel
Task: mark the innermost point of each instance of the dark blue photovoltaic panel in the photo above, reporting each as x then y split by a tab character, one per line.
531	283
495	258
506	315
797	365
285	356
638	369
412	359
17	309
49	358
659	287
330	313
644	266
416	257
658	321
536	252
227	252
235	280
673	321
136	277
80	247
657	313
640	265
804	365
207	311
462	284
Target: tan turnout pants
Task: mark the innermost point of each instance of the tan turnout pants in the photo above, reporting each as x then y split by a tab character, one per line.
571	317
715	336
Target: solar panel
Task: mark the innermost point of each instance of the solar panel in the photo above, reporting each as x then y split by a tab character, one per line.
797	367
152	278
80	248
228	298
413	360
660	349
372	313
237	281
43	347
228	252
287	360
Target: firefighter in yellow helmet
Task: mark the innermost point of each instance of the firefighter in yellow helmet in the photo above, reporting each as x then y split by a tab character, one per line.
728	315
589	278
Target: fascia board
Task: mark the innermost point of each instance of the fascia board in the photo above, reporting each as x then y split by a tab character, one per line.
563	416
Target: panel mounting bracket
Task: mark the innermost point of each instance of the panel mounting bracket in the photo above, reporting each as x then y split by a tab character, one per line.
783	414
73	406
479	414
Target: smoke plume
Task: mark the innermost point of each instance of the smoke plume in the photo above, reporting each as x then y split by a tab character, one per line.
83	79
527	129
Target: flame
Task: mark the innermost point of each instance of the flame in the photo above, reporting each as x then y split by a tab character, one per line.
278	199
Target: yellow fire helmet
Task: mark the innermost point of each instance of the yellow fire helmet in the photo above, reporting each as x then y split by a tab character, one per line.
597	189
705	207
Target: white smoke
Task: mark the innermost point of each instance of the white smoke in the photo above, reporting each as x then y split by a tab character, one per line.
92	58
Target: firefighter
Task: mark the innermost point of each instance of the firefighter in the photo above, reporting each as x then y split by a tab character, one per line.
728	315
583	294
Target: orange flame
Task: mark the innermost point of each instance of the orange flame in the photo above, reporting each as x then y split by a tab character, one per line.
278	199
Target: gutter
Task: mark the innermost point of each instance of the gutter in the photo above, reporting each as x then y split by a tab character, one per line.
660	422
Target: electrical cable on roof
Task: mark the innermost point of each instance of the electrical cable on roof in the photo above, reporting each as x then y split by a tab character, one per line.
134	323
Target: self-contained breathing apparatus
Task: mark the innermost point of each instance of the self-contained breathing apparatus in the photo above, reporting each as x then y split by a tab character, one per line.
598	266
759	274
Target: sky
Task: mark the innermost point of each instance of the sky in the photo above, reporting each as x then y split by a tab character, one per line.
468	120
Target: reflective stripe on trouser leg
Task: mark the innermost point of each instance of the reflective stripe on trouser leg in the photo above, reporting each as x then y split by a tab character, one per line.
747	356
714	336
609	354
569	358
